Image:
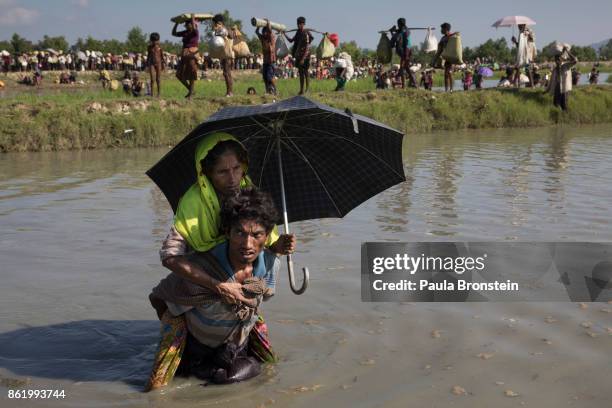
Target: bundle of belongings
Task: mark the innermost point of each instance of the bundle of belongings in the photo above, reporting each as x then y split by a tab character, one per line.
384	51
326	48
240	46
431	42
453	52
183	18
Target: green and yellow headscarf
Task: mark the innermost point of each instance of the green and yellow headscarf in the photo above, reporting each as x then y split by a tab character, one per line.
198	218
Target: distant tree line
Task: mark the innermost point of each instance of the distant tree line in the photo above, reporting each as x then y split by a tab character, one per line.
136	41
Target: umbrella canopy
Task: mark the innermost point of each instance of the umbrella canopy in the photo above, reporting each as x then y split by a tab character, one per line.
485	72
332	160
510	21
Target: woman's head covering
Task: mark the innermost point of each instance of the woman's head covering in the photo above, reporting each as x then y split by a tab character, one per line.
197	216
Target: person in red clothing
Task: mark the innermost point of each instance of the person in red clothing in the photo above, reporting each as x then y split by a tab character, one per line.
187	70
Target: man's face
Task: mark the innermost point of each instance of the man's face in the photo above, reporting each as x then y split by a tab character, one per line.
301	26
226	174
246	241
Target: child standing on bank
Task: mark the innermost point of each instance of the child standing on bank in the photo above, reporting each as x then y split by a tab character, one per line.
155	60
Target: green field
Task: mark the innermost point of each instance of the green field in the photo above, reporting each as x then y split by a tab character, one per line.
86	117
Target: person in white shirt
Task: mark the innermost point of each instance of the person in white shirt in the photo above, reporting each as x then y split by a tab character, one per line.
525	54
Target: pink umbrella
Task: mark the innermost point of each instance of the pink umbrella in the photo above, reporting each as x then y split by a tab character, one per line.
510	21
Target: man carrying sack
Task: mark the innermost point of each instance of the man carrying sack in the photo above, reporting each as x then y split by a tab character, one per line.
445	29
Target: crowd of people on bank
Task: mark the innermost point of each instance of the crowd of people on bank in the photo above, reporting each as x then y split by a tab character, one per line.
191	65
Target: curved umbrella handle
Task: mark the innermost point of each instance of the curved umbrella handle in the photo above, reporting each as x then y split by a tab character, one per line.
286	220
292	278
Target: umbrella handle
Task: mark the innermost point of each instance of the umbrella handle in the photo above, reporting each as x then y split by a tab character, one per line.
292	278
286	221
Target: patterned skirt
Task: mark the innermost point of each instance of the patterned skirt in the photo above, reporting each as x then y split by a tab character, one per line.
187	69
172	345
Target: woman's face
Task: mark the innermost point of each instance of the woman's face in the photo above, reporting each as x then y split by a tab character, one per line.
188	26
226	174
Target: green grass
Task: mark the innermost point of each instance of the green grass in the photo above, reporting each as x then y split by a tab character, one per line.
172	89
92	118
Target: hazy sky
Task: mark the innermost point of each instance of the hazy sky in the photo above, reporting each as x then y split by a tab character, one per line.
577	22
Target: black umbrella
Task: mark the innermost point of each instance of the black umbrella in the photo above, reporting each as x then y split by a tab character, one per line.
331	160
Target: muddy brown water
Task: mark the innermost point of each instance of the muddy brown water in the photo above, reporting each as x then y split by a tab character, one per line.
78	247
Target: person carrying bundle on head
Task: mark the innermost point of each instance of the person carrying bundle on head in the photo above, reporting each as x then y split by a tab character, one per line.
268	46
219	30
561	80
187	70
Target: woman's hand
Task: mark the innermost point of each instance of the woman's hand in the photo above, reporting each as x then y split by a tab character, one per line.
285	244
231	292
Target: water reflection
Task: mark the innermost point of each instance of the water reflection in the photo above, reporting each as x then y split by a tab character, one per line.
495	184
501	184
395	205
516	181
162	214
556	161
446	173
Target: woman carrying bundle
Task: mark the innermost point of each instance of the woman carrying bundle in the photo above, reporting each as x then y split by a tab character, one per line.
187	70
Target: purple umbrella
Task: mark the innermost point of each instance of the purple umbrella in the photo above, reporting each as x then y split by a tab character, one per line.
485	72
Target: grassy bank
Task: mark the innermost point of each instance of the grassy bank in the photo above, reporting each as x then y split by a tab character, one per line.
86	120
